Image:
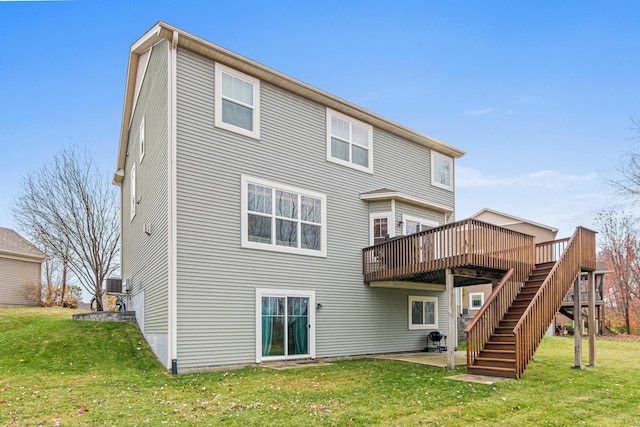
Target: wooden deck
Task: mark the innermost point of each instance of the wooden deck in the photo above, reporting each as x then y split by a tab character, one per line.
476	251
468	252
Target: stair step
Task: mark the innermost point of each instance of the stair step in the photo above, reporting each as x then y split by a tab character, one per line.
494	363
498	354
500	345
491	371
503	338
512	316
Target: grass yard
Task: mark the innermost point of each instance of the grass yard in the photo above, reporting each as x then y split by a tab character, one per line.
55	371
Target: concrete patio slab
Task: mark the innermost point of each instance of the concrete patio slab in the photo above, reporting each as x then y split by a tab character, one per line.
479	379
426	358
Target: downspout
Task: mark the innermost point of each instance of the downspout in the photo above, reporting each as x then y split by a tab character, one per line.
172	327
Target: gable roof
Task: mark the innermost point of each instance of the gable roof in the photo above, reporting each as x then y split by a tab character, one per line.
178	38
387	194
515	219
13	245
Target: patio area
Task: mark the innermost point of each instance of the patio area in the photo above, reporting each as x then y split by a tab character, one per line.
428	358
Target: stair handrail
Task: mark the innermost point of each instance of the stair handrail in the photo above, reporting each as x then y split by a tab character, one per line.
478	336
568	265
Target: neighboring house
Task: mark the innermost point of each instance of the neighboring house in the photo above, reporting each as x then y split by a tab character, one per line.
247	198
472	297
20	262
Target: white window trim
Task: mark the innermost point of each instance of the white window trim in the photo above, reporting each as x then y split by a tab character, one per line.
245	243
332	159
471	295
141	140
390	226
419	220
219	69
423	298
435	154
132	190
264	292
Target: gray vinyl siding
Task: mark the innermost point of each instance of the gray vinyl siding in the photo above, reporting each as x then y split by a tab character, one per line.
13	273
144	257
217	278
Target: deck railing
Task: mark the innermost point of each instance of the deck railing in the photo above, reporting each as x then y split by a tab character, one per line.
550	251
464	243
579	253
490	314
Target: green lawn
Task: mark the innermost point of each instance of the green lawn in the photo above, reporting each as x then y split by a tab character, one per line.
56	371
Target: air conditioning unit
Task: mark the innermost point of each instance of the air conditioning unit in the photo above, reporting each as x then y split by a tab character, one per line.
114	286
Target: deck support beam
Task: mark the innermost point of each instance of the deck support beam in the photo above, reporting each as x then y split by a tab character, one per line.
592	318
452	340
577	324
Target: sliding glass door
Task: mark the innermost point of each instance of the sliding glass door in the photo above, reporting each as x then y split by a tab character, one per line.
285	326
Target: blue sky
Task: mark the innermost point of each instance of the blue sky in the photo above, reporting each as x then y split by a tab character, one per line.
538	94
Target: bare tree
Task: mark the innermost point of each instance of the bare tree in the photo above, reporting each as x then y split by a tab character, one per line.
620	250
627	183
71	209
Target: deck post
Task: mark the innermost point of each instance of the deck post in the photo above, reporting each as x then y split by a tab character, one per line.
577	323
592	318
452	339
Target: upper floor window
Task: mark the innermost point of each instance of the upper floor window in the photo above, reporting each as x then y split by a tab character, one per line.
283	218
441	170
237	101
132	179
142	140
349	142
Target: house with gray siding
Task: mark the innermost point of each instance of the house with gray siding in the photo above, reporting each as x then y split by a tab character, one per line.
20	263
246	199
266	220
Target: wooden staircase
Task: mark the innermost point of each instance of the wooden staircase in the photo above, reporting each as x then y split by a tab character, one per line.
498	356
504	335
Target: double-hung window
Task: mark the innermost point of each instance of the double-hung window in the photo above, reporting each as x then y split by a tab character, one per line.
237	101
282	218
349	142
423	312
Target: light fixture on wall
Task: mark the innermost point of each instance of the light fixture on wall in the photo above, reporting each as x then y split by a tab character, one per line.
318	306
400	223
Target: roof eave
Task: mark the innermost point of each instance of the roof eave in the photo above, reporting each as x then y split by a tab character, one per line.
396	195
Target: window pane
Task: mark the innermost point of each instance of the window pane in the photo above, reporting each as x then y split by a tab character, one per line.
360	156
339	128
286	233
416	313
412	227
311	209
298	331
380	227
429	313
226	85
237	115
311	237
273	326
442	171
259	228
247	97
259	199
286	204
360	135
339	149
